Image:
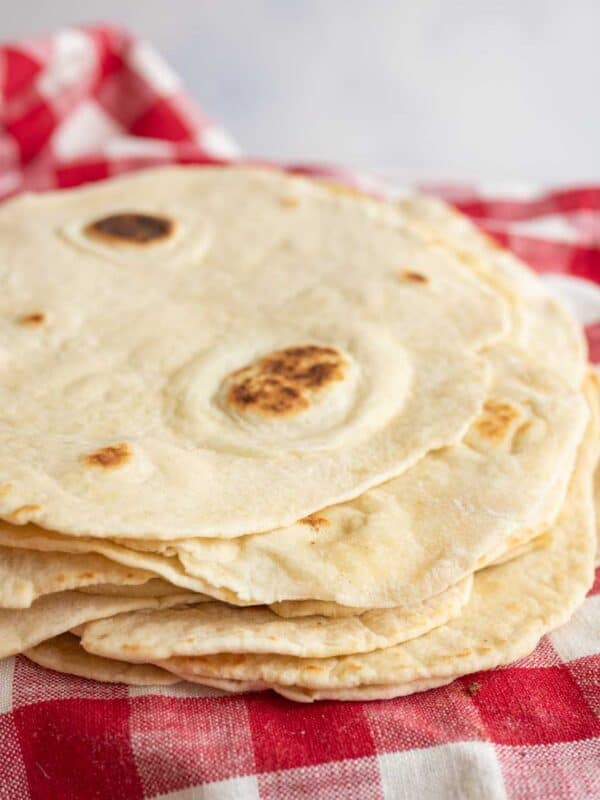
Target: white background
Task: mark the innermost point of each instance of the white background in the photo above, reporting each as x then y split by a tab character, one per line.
440	89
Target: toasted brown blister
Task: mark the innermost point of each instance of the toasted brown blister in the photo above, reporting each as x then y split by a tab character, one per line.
409	276
497	420
131	228
111	457
32	319
285	382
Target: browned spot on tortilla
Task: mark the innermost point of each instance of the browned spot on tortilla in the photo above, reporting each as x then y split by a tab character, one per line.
131	228
289	202
496	419
86	576
35	318
284	382
61	578
413	277
5	488
111	457
315	521
131	648
23	511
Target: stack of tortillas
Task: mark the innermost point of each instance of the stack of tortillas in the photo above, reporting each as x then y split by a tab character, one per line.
260	432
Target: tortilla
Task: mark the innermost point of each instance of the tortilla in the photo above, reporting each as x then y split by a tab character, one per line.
218	628
26	575
156	587
31	537
301	695
64	654
171	390
57	613
292	609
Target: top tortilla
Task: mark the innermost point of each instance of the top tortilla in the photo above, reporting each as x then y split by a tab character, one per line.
195	352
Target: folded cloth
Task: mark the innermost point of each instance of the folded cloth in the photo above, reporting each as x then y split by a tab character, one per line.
93	102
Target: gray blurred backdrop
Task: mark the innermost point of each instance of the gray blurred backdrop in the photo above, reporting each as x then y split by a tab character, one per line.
433	88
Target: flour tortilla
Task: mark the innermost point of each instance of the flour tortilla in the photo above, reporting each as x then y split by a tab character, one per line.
64	654
124	411
361	693
218	628
301	695
293	609
26	575
414	536
31	537
156	587
57	613
511	607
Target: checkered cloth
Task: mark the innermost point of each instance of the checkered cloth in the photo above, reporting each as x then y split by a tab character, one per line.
91	103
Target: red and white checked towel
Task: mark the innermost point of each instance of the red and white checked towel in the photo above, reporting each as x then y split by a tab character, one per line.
90	103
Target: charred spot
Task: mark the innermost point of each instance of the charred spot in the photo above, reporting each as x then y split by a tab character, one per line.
110	457
270	395
35	318
131	228
283	382
496	419
315	521
413	277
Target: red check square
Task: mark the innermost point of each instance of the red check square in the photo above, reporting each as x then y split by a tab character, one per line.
161	121
191	741
442	715
32	130
78	749
287	735
19	70
533	706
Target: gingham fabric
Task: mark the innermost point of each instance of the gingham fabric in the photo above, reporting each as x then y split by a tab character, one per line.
86	104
